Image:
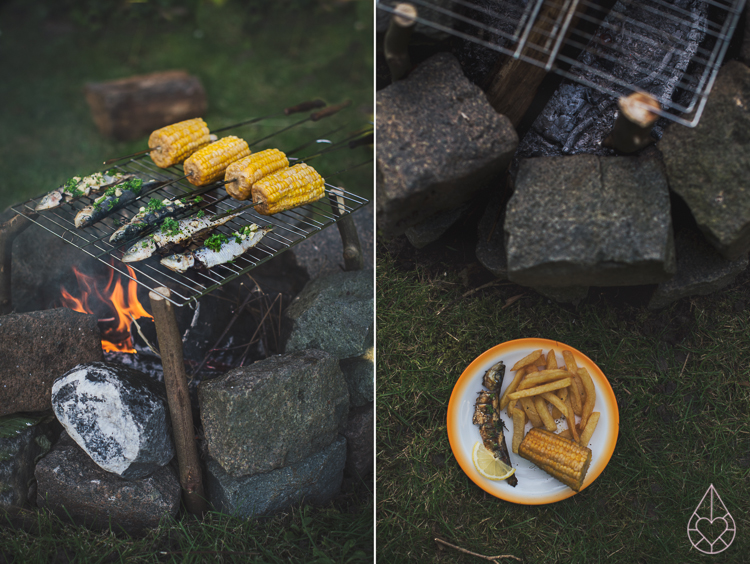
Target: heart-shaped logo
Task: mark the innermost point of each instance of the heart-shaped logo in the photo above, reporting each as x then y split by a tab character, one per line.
711	528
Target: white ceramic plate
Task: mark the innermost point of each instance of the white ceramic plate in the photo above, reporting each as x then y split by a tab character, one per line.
535	487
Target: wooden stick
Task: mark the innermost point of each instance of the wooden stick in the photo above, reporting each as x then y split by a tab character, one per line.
353	256
634	122
178	397
490	558
8	232
396	44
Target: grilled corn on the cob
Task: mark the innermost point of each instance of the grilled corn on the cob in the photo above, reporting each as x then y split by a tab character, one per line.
561	458
174	143
209	163
287	189
241	175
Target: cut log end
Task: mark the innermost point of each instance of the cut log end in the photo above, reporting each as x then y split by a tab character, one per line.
405	15
640	108
160	293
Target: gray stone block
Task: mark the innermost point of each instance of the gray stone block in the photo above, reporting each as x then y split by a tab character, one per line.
432	228
701	270
589	221
570	295
333	313
324	253
38	347
315	479
18	454
359	373
117	415
71	485
709	166
439	141
359	435
490	249
274	412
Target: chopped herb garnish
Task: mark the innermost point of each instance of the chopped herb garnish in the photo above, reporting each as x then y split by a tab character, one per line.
215	241
71	187
198	199
154	204
170	226
116	222
200	214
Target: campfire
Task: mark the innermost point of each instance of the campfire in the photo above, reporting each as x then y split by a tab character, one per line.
114	306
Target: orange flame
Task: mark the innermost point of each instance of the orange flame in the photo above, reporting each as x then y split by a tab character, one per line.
113	298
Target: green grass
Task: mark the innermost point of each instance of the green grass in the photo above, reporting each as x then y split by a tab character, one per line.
251	64
305	534
682	382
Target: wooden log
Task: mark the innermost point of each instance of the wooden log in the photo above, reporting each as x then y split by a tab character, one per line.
8	232
353	257
513	83
178	397
634	122
396	43
132	107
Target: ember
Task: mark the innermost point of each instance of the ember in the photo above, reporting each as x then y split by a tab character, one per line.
105	303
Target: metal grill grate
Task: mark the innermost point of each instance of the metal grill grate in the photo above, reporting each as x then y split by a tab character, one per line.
289	228
670	49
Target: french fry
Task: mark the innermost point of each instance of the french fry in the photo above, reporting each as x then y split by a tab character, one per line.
504	399
588	430
563	383
565	433
541	409
588	406
575	398
570	361
572	419
531	412
557	403
543	377
519	423
551	360
541	361
562	394
525	361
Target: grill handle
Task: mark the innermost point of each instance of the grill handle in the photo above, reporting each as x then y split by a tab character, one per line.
353	257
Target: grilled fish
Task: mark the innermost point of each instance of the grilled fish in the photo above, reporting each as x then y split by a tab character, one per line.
78	187
173	234
218	249
487	416
151	214
115	198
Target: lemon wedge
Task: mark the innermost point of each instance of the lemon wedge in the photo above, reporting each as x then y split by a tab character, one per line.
489	466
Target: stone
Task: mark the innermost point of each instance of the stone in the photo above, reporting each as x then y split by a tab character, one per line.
360	428
439	141
324	253
589	221
275	412
72	486
432	228
701	270
313	480
333	313
709	165
359	373
19	451
36	348
490	249
117	415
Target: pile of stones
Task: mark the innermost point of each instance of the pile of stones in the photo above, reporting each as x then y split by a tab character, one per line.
90	439
572	221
